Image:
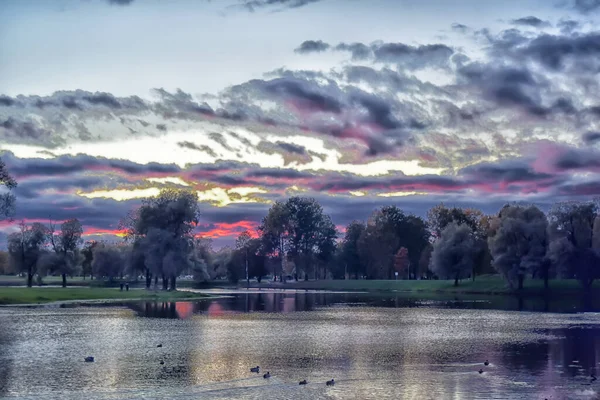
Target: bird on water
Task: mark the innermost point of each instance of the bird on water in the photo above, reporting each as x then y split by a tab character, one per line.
256	369
330	383
267	375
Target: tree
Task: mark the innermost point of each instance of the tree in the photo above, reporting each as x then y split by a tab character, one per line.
425	262
5	268
300	230
162	229
108	261
26	247
241	244
454	252
7	199
88	256
349	249
66	246
575	236
388	229
518	242
401	261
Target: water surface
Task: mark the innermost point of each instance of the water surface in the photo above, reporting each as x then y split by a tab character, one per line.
374	346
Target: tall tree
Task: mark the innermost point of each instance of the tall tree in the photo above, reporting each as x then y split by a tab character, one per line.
274	233
518	242
164	226
7	199
65	244
241	244
349	254
25	248
454	252
108	261
88	256
401	261
574	231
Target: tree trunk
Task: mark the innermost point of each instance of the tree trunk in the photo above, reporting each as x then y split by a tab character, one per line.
148	278
155	281
64	280
173	283
29	279
165	282
546	280
521	279
456	281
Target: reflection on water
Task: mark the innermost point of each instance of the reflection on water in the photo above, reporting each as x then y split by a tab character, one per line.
374	346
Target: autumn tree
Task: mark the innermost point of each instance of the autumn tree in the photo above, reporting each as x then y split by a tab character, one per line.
454	252
26	247
401	261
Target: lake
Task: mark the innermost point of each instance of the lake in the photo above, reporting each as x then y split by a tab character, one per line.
376	347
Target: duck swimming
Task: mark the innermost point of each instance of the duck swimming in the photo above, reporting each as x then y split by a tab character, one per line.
330	383
256	369
89	359
303	382
481	371
267	375
486	363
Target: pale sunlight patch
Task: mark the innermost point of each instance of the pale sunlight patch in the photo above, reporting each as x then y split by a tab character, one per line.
122	194
169	179
400	194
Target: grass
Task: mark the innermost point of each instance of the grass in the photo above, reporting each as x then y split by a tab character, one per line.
489	284
38	295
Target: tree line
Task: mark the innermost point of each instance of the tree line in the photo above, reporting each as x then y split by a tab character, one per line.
298	240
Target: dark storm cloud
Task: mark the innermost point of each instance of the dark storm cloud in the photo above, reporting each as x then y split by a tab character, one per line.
591	137
504	171
531	21
507	86
34	187
577	159
66	164
568	26
312	46
304	92
586	6
7	101
555	52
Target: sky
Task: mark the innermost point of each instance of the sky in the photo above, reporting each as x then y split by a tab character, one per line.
357	103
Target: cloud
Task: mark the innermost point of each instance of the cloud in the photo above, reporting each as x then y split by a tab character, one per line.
577	52
359	51
591	137
253	5
586	6
312	46
120	2
531	21
460	27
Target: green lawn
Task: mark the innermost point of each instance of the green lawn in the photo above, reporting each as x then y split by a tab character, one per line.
36	295
491	284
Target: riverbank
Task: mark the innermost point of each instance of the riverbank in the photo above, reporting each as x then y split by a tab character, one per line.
40	295
485	285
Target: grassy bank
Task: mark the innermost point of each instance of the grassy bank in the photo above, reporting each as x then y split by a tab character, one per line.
491	285
37	295
12	280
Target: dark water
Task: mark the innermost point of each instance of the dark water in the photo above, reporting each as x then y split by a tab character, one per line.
376	347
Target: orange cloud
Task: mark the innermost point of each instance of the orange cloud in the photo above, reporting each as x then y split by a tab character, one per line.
218	230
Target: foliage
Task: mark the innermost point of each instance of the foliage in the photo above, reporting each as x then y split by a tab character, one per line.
65	245
349	252
454	252
26	247
108	261
518	242
7	199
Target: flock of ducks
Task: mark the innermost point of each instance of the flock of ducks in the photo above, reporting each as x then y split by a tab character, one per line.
302	382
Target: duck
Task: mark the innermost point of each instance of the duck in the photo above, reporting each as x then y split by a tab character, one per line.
486	363
160	345
593	377
303	382
481	371
267	375
330	383
162	362
89	359
256	369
